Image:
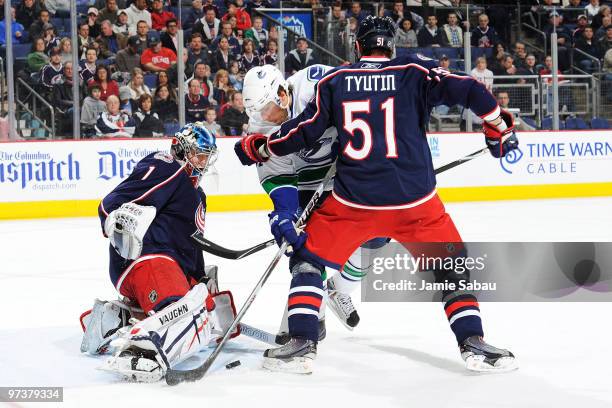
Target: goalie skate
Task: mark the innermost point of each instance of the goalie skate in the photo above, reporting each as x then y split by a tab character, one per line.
136	365
342	306
296	357
482	357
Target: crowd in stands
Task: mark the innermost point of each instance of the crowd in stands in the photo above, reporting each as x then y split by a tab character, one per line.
128	52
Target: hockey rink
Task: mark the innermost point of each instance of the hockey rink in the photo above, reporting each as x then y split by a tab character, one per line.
400	355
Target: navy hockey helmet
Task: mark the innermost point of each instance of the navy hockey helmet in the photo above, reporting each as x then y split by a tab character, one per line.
375	33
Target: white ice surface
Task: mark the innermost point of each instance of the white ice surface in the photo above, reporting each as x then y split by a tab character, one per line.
401	355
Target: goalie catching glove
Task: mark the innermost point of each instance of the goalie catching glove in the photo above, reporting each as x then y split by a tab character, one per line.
500	138
126	227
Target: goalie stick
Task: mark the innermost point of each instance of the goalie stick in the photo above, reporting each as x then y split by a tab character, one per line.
174	377
212	248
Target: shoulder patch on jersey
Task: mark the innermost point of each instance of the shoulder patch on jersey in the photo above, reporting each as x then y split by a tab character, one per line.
163	156
315	73
422	57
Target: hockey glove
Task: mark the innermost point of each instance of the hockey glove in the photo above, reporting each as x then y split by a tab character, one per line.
500	141
251	149
126	227
282	225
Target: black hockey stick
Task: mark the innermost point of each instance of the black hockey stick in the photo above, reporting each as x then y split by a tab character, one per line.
466	159
212	248
174	377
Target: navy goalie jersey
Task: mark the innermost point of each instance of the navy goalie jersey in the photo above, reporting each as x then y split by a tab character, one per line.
160	181
381	109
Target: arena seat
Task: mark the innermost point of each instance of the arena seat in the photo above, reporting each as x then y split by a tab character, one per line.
600	123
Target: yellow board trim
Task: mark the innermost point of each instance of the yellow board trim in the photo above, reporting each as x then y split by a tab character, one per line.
255	202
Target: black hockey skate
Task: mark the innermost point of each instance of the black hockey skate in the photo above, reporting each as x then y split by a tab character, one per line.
297	356
342	306
482	357
284	337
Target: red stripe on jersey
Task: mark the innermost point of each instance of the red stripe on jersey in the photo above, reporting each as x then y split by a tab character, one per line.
307	300
457	305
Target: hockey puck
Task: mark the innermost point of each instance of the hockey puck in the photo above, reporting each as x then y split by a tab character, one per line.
232	364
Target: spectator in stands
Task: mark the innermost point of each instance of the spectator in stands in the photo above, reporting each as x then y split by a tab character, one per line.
405	37
482	74
148	123
126	104
592	9
452	31
65	50
572	11
529	68
503	99
142	31
197	51
271	56
162	79
109	12
520	53
156	58
211	4
222	58
173	73
99	4
207	26
443	63
58	8
235	120
159	16
84	40
90	111
234	9
202	74
28	12
37	58
258	34
356	12
114	123
110	42
191	16
299	58
507	69
236	77
36	29
136	85
16	29
52	73
107	86
588	45
227	33
605	43
50	38
601	31
195	103
564	38
211	122
581	24
120	25
565	97
249	57
597	22
221	87
484	35
128	58
62	98
138	12
87	66
169	38
164	104
431	35
92	22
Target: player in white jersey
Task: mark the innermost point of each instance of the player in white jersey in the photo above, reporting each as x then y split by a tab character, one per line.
290	181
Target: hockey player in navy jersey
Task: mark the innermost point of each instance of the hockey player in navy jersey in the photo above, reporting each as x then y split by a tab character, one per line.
385	182
149	219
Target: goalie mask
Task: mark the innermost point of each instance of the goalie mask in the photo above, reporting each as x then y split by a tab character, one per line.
196	146
261	93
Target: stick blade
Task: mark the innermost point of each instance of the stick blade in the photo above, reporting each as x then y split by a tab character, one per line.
175	377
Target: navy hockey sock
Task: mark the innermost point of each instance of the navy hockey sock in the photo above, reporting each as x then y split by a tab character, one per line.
305	297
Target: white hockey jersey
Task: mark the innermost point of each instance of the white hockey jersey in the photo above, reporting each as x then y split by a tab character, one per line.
306	169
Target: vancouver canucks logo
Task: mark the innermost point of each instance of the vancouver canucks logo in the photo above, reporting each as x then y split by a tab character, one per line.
308	155
315	73
261	74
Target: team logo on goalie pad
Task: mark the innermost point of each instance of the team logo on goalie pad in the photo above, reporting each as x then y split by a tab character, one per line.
153	296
